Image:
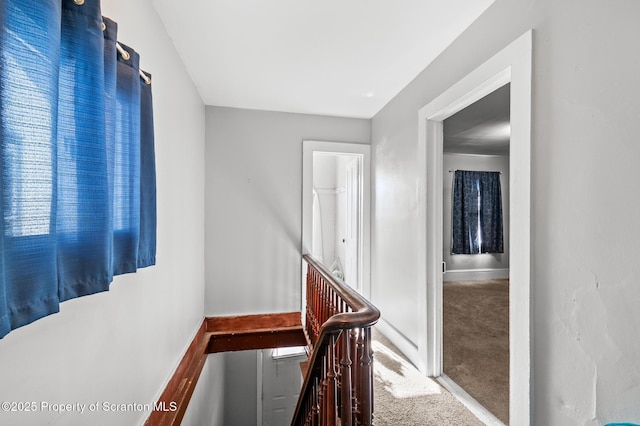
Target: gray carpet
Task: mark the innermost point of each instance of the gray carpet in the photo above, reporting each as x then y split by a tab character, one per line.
404	397
476	341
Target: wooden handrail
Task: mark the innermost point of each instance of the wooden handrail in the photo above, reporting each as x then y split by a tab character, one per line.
338	325
338	382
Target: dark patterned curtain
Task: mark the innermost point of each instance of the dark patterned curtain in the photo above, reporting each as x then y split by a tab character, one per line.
476	213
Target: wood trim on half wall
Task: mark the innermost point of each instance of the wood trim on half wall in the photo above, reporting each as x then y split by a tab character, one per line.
222	334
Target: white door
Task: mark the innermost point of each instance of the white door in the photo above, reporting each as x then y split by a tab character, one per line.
352	222
281	384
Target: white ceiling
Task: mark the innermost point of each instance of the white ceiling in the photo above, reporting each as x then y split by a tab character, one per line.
482	128
331	57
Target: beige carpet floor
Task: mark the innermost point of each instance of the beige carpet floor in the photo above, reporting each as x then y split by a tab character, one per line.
405	397
476	341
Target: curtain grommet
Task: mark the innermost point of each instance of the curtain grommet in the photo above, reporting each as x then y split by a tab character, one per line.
79	2
125	55
104	26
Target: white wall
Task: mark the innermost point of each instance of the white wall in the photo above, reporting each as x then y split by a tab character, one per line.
121	346
254	205
585	292
485	265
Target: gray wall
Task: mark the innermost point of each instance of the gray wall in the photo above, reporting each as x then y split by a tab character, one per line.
207	403
240	389
226	392
254	205
585	292
121	346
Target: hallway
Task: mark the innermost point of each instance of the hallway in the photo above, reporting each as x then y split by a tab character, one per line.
404	397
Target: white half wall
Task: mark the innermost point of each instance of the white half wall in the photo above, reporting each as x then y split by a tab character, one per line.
120	347
254	205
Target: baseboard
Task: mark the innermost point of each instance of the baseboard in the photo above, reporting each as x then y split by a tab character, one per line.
406	346
475	274
468	401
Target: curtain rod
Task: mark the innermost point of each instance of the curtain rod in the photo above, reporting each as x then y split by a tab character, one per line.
452	170
126	56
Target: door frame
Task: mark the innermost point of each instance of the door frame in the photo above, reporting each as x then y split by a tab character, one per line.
309	147
512	65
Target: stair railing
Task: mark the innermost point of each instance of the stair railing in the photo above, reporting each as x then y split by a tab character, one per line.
338	383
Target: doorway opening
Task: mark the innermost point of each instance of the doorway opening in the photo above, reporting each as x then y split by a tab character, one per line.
475	297
336	216
336	206
512	65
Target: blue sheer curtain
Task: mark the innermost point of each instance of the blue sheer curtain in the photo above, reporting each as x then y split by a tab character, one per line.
82	216
76	131
477	213
126	219
147	242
